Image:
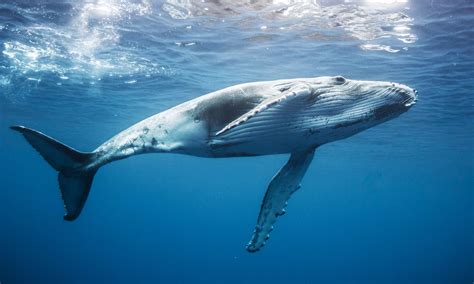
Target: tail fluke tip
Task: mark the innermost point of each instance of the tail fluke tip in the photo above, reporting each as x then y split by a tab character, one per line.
70	217
17	127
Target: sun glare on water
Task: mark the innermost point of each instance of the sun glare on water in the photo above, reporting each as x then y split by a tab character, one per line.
385	2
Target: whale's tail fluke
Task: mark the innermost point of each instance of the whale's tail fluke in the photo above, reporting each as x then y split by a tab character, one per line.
75	177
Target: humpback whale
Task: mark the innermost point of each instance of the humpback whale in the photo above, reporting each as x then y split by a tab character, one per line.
293	116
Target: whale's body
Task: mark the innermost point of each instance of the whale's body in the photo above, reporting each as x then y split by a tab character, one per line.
262	118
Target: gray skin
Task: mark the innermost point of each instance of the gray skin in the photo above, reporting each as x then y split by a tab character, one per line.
263	118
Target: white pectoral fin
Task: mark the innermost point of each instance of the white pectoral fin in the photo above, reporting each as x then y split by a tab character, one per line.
279	191
272	113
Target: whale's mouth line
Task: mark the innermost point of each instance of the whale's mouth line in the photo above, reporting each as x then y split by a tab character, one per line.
386	111
411	101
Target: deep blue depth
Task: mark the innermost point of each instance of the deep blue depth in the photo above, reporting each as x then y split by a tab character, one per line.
394	204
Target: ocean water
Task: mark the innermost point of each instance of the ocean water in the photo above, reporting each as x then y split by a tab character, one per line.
393	204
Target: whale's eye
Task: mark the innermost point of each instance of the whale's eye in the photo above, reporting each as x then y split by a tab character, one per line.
340	79
284	87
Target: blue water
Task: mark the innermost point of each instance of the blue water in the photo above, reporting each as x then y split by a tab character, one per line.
394	204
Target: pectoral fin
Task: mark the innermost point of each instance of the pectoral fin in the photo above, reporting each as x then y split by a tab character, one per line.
278	114
283	184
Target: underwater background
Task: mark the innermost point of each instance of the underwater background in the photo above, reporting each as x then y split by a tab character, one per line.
394	204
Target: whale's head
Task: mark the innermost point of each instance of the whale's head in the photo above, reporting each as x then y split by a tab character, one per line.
352	105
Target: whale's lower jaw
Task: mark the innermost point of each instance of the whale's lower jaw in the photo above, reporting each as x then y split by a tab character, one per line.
312	137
